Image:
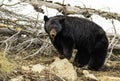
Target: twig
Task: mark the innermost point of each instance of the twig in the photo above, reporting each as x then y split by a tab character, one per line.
22	49
57	75
113	43
63	2
37	20
6	42
60	77
42	47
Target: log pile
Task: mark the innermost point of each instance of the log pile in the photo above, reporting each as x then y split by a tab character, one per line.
19	33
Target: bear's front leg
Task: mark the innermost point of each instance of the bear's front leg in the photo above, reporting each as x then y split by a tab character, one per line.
60	51
58	45
67	52
67	49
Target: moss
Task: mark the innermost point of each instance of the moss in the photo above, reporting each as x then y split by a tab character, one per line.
6	66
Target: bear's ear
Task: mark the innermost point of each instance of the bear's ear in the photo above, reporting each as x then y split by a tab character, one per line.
46	18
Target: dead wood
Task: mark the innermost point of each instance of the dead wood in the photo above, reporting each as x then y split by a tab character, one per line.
26	33
67	9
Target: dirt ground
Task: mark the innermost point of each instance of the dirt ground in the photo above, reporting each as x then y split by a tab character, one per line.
112	68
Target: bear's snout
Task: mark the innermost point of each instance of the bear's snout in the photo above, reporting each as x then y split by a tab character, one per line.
52	33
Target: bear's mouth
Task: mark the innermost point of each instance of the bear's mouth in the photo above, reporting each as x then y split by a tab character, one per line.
52	33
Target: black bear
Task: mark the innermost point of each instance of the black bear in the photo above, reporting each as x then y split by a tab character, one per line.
68	33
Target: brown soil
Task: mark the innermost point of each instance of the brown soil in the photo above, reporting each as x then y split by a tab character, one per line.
111	69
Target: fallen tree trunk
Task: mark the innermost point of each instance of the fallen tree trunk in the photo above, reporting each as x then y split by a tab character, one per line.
67	9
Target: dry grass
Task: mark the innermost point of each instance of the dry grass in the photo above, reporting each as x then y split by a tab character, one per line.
6	66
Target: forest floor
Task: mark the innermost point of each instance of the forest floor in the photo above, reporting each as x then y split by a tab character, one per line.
112	69
21	69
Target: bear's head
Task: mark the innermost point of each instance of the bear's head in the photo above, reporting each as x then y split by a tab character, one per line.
53	26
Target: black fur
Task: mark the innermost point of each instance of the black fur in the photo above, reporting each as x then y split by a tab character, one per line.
78	33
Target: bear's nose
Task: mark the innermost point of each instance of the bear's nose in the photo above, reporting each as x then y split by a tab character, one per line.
52	33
